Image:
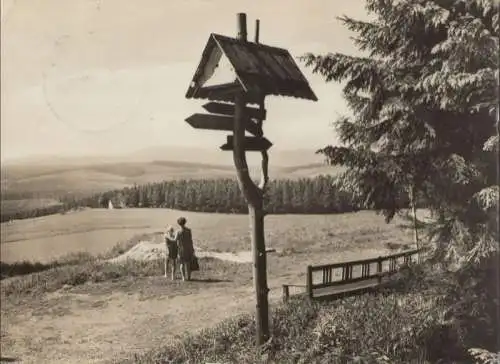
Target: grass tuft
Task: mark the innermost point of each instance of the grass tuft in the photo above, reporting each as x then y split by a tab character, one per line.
98	271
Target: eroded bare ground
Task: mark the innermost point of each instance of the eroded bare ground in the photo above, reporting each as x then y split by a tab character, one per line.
75	326
94	323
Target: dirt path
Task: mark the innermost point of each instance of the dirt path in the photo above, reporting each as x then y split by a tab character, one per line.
92	327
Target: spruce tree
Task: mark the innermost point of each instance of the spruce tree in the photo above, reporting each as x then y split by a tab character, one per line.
424	115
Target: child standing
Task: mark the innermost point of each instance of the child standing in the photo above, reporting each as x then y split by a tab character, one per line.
172	251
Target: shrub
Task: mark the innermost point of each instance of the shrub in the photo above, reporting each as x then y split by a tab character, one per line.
26	267
474	304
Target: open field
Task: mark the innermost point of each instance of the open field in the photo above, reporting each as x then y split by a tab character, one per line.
97	230
136	311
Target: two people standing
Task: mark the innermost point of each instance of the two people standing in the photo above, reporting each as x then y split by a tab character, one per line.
180	249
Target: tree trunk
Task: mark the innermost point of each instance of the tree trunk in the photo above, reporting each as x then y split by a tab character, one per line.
413	206
254	199
256	214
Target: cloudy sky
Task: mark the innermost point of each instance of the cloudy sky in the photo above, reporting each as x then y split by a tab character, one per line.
109	76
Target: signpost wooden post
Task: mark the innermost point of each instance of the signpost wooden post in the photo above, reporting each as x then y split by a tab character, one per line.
254	197
271	71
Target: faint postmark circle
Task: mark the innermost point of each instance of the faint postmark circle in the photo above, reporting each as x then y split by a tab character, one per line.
89	99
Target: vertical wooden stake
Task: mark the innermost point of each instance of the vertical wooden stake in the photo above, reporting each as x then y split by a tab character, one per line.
286	293
413	206
257	31
379	269
242	26
254	199
309	282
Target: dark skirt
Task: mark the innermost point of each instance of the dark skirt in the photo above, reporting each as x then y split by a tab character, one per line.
185	255
173	252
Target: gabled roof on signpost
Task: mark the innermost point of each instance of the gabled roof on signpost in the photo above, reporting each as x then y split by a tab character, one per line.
260	69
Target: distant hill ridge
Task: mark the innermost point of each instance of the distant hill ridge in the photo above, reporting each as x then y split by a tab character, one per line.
209	156
48	176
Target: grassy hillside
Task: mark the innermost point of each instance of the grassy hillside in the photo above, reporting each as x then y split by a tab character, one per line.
418	319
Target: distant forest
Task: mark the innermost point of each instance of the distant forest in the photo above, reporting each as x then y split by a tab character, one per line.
303	196
315	195
20	214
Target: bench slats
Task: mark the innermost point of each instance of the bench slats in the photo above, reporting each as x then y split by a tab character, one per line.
356	271
365	270
392	264
327	275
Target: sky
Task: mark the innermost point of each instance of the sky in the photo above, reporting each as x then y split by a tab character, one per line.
90	77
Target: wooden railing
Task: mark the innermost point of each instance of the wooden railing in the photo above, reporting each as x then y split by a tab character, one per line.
351	277
292	290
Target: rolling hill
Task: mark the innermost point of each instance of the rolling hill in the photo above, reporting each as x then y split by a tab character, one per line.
47	178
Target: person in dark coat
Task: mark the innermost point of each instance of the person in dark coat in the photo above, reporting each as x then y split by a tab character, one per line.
185	248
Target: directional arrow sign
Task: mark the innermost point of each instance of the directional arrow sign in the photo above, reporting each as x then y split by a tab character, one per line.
255	144
228	109
219	122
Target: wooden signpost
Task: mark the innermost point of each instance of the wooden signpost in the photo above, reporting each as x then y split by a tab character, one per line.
220	122
260	70
256	144
228	109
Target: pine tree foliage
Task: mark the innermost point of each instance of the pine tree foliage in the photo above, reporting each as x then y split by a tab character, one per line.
424	105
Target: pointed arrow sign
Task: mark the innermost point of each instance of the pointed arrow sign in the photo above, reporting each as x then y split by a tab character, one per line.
255	144
228	109
219	122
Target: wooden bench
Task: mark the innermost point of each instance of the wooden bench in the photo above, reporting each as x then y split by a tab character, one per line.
348	278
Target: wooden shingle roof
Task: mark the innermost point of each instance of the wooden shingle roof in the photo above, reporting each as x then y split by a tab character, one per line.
260	70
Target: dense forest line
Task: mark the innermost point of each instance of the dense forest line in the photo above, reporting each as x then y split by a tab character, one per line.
34	212
312	195
303	196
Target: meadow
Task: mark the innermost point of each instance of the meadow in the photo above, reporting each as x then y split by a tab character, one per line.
95	231
89	303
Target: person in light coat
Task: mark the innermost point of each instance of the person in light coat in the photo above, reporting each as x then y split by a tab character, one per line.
172	252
